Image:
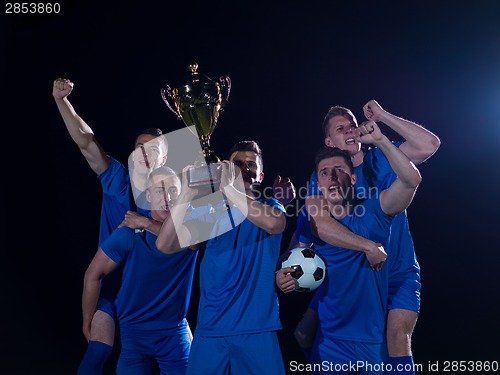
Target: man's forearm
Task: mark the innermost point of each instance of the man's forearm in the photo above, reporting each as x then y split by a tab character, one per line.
173	234
90	296
153	226
264	216
330	230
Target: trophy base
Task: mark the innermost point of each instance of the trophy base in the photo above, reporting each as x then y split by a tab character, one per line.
205	176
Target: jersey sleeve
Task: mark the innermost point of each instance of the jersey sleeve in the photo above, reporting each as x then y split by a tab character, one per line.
119	244
377	169
115	180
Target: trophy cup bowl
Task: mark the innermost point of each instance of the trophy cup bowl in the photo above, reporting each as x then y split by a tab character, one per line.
199	102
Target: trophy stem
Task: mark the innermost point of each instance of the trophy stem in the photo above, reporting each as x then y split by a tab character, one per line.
207	151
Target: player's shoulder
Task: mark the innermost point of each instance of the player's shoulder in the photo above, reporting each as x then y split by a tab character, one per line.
122	235
114	170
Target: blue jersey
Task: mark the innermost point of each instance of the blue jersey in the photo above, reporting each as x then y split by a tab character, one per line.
352	300
237	293
374	175
116	198
156	287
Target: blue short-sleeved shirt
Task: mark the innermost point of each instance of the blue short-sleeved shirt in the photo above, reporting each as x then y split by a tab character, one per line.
352	288
374	175
156	287
237	293
116	198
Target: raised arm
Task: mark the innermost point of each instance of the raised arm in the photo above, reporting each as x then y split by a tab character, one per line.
399	195
80	132
100	266
420	144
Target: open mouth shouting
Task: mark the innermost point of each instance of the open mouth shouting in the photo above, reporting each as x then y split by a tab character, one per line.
350	141
334	188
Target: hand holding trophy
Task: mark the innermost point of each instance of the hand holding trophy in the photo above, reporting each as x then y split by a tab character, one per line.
199	102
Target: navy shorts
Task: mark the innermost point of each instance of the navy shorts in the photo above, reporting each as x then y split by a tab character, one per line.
336	356
249	354
139	348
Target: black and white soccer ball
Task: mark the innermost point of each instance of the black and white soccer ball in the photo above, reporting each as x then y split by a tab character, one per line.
310	269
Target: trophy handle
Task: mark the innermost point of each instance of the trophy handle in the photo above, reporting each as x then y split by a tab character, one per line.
225	83
169	99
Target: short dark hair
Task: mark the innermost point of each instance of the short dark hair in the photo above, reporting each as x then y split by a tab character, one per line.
152	131
338	111
155	132
326	152
247	146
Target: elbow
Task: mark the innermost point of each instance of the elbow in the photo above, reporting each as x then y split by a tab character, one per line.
91	276
436	142
434	145
415	180
426	149
162	245
322	230
167	247
418	178
275	229
86	278
85	141
277	225
159	245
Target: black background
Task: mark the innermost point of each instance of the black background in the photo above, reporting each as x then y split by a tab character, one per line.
434	62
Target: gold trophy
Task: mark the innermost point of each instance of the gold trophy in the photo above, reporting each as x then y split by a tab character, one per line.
198	103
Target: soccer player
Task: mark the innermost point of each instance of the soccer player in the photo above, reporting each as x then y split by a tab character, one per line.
352	301
153	299
374	173
238	313
117	209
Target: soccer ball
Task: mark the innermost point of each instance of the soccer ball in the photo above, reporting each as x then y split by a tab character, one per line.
310	269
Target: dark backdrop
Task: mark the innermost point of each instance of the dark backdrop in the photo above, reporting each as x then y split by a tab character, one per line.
433	62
